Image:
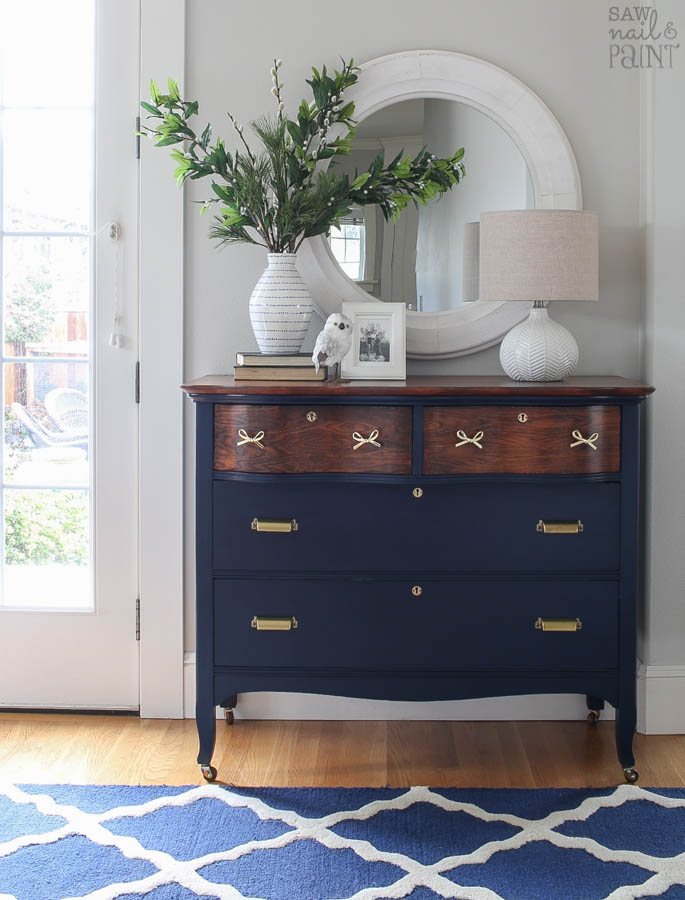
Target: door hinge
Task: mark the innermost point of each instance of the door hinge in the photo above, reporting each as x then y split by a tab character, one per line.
137	618
136	389
137	137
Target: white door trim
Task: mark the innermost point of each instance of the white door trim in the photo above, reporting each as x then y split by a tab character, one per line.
161	400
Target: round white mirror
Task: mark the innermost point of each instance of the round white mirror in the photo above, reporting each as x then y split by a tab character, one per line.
517	157
420	258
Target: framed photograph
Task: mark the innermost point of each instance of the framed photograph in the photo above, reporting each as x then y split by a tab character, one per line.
379	340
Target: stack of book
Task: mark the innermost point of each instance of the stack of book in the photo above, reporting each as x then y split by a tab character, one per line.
255	366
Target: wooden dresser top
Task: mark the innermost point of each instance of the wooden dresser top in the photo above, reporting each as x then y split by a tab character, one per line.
425	386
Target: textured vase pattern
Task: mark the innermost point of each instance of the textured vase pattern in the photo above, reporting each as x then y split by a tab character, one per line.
538	349
280	306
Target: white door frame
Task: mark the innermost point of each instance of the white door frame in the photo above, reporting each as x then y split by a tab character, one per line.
161	400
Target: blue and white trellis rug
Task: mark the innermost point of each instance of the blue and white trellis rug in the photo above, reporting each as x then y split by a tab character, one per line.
178	843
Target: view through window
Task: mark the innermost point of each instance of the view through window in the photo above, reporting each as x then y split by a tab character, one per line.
46	214
347	244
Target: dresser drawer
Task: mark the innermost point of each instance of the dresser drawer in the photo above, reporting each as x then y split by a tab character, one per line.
300	439
384	527
450	625
535	440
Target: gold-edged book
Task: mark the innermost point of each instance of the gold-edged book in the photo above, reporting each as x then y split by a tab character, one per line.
279	373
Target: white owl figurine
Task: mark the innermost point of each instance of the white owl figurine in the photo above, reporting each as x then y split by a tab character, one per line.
334	342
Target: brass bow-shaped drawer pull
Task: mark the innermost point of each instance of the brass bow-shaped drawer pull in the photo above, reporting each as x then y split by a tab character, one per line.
274	623
546	526
579	439
465	439
246	439
275	526
558	624
371	439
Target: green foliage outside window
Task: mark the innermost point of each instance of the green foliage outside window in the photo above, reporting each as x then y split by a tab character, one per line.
44	527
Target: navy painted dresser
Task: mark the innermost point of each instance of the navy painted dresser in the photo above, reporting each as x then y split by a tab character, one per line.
439	538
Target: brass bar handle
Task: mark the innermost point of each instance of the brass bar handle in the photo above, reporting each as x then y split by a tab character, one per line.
547	526
579	439
246	439
371	439
275	526
465	439
274	623
558	624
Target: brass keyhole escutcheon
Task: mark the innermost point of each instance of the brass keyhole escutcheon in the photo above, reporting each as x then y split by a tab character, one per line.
417	590
311	416
522	417
418	492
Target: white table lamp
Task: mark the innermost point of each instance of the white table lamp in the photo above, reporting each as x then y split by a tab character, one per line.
539	255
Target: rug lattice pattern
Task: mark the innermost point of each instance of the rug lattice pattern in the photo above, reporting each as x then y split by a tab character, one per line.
165	843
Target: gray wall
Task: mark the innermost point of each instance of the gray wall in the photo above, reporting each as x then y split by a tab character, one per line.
664	217
559	49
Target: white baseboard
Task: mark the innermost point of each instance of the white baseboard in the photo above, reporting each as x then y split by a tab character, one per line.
660	699
314	706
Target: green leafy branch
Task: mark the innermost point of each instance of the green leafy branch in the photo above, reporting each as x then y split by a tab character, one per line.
279	195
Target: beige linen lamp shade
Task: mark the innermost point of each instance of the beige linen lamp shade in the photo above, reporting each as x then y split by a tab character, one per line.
539	255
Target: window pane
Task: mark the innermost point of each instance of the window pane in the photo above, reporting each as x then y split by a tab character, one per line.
352	231
47	176
352	252
55	65
350	269
46	294
47	549
338	248
46	424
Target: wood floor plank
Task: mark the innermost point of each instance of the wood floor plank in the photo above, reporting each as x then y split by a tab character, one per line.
420	753
51	748
351	754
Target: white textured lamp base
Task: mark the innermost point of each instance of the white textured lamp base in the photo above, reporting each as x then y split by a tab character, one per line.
538	349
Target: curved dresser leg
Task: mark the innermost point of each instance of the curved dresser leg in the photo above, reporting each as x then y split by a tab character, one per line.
205	716
625	730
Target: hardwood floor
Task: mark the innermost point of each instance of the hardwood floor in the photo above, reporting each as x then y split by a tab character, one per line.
50	748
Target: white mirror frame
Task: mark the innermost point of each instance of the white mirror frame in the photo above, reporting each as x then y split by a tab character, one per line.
527	121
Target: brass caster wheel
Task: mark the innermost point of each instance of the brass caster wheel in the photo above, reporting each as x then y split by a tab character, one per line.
593	716
631	775
208	773
228	715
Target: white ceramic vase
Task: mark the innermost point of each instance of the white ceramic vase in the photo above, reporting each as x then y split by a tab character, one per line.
538	349
280	306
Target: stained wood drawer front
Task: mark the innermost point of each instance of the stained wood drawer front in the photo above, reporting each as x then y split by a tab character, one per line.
384	527
534	440
451	625
300	439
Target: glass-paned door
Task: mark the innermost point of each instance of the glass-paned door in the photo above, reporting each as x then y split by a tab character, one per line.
68	92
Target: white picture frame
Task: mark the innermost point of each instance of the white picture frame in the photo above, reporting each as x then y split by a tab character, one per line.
379	340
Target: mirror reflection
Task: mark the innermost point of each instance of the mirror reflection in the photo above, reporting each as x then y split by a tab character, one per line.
426	258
